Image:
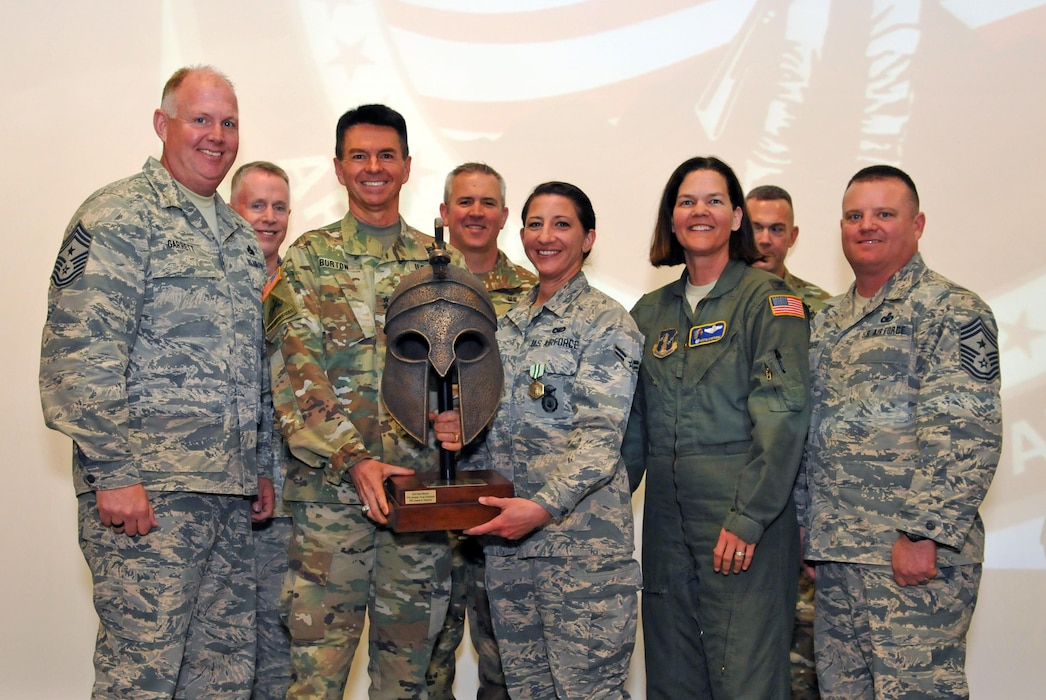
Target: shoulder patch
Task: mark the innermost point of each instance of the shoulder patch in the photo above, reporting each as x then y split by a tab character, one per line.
787	305
979	351
72	258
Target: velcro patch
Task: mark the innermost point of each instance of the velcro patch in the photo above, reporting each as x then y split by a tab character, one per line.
72	258
787	305
979	351
707	333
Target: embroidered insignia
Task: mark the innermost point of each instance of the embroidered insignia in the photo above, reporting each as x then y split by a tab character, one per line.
708	333
632	365
666	343
979	351
72	259
271	282
549	402
787	305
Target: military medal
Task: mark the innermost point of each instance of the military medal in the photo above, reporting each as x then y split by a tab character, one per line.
537	389
549	403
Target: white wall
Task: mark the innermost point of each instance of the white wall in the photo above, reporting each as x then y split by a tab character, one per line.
609	94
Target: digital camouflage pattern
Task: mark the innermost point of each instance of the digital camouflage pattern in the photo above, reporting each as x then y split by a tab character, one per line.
272	674
507	283
175	607
905	435
878	640
562	451
151	362
906	428
152	357
325	326
587	606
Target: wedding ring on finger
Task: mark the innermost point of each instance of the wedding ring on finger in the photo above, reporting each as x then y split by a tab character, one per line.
739	554
366	508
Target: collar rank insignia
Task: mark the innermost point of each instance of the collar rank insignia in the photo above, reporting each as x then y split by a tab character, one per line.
666	343
979	351
708	333
787	305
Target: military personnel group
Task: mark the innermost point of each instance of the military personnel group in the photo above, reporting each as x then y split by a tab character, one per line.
230	442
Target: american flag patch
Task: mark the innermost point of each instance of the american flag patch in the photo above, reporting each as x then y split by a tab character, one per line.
787	305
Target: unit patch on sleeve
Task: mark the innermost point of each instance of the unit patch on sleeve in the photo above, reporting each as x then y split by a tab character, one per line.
72	259
979	351
787	305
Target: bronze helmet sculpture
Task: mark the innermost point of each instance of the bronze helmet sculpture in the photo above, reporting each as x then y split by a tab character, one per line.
440	326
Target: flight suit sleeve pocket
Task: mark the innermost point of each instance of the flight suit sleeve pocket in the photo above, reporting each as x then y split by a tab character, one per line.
782	379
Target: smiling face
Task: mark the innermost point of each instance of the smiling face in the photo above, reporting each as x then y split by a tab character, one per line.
554	241
881	228
774	230
373	170
703	217
201	135
264	200
474	213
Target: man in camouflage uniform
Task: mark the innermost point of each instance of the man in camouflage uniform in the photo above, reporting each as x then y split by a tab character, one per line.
326	330
261	195
904	440
152	363
773	223
474	210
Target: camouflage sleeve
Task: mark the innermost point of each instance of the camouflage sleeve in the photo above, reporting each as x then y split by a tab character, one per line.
602	395
801	489
92	322
779	408
266	419
321	427
958	423
633	447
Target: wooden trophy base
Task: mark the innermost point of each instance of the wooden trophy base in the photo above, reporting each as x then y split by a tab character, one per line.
426	503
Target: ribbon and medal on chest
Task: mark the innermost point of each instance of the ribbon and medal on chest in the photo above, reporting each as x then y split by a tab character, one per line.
542	392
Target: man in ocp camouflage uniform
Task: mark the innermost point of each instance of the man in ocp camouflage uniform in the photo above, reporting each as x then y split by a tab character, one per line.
773	225
152	362
474	210
327	351
904	440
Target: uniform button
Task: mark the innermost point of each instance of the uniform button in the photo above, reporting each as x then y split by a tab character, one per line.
90	478
930	525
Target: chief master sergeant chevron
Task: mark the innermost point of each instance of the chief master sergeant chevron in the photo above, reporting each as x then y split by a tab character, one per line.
904	439
153	363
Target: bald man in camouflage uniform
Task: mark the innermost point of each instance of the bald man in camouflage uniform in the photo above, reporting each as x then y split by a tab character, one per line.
904	440
152	362
325	325
474	210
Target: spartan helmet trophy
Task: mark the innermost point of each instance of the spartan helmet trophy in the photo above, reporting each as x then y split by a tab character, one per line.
440	332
